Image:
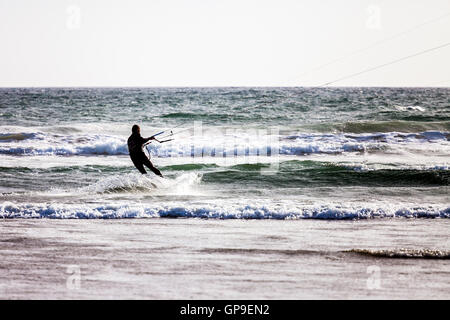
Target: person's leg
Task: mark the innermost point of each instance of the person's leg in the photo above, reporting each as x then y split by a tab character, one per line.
138	164
149	164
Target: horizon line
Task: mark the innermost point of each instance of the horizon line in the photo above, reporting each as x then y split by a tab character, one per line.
232	86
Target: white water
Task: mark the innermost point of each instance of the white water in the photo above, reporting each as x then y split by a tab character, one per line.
84	140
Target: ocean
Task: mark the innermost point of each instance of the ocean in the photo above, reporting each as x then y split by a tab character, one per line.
269	193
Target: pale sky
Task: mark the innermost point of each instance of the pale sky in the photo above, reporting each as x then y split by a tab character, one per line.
222	42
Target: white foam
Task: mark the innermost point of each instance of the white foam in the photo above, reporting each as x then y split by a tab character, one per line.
410	108
136	182
214	211
219	144
364	167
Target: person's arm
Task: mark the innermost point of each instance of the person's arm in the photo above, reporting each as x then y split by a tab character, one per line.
145	140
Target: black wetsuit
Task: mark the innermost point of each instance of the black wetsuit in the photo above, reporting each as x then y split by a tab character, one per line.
137	155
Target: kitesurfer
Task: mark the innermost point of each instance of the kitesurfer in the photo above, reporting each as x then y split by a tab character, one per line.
136	149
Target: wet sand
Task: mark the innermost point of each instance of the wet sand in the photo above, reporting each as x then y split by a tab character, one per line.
220	259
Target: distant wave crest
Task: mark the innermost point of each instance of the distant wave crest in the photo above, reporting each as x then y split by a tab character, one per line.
404	253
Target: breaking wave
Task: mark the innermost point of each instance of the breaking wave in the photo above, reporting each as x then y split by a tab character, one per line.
392	253
30	144
404	253
214	211
134	182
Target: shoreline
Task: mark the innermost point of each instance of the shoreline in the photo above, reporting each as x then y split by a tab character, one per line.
219	259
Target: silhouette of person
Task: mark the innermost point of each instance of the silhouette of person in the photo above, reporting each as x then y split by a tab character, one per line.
136	149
